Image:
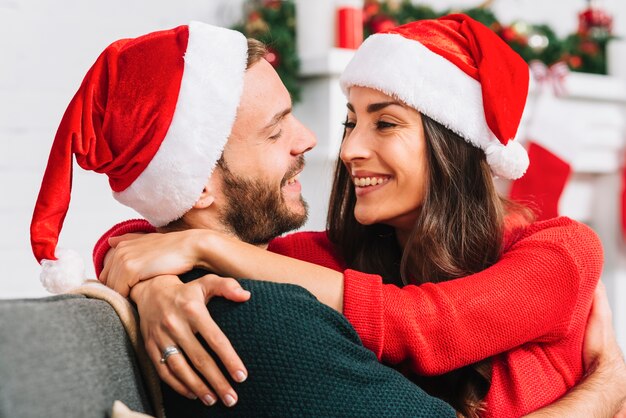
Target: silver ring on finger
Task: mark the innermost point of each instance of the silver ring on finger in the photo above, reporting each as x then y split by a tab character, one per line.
168	351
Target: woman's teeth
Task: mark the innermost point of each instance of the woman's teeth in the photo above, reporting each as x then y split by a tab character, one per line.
369	181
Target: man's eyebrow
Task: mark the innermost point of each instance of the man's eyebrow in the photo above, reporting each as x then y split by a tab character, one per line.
277	118
375	107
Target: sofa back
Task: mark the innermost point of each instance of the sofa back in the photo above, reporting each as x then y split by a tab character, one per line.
66	356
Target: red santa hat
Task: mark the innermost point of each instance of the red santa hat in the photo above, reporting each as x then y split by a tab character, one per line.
459	73
153	114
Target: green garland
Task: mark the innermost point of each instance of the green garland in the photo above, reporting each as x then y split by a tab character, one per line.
274	23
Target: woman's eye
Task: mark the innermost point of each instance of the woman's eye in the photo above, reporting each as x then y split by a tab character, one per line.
348	124
385	125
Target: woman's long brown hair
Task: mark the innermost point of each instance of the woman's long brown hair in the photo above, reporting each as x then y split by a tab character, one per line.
459	231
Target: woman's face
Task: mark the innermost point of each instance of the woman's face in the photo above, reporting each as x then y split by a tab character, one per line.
384	152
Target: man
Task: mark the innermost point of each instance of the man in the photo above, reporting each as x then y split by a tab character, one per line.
157	115
151	139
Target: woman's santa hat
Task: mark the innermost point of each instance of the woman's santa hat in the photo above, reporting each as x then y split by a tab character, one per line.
459	73
153	114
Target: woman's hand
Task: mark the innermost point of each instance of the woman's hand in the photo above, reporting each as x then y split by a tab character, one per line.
137	257
600	345
171	313
601	353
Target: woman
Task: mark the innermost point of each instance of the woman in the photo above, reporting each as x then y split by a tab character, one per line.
437	273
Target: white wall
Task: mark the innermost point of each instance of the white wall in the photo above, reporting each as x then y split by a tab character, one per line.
45	49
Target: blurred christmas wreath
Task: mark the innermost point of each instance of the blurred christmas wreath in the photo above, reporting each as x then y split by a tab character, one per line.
274	23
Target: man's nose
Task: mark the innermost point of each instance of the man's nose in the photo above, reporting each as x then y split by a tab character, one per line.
304	139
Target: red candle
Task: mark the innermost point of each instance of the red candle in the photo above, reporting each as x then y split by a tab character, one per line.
349	27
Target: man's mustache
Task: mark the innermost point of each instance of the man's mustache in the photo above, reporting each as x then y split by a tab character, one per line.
293	170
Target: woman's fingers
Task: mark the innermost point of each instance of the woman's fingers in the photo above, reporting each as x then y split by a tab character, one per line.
176	372
218	342
203	362
171	315
178	366
229	288
164	373
195	312
599	343
114	241
202	322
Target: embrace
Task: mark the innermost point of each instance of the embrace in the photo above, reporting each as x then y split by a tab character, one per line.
428	295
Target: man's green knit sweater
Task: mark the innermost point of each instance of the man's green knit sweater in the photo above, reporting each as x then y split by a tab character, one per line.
304	360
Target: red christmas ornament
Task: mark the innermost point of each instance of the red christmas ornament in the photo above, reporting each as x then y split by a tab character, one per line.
254	16
273	4
272	57
370	9
508	34
575	61
382	23
594	18
589	47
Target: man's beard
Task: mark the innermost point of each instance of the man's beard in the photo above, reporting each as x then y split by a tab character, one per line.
255	211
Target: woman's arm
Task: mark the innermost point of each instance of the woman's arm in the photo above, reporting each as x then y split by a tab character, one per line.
143	257
529	295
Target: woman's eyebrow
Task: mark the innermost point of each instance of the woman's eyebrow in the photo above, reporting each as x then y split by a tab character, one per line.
375	107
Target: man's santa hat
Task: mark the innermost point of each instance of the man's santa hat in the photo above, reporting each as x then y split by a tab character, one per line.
153	114
459	73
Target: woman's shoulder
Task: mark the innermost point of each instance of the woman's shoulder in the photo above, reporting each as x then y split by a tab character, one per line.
311	246
556	229
571	236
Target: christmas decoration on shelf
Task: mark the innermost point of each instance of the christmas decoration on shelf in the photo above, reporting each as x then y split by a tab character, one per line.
583	51
273	22
349	26
586	48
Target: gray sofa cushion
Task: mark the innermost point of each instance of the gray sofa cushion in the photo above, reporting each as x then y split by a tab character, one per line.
65	356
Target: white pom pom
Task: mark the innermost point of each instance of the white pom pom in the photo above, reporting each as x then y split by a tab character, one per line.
509	161
63	274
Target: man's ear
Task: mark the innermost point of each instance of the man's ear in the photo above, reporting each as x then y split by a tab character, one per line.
207	197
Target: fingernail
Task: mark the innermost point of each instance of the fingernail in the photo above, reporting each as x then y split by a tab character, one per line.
192	396
240	376
243	291
229	400
208	400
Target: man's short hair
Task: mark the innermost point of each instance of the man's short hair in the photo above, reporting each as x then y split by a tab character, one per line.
256	51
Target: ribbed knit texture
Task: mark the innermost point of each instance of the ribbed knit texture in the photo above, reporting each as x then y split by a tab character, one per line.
528	312
304	360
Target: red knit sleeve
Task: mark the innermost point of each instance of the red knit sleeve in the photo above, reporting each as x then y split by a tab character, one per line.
529	295
102	246
311	246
